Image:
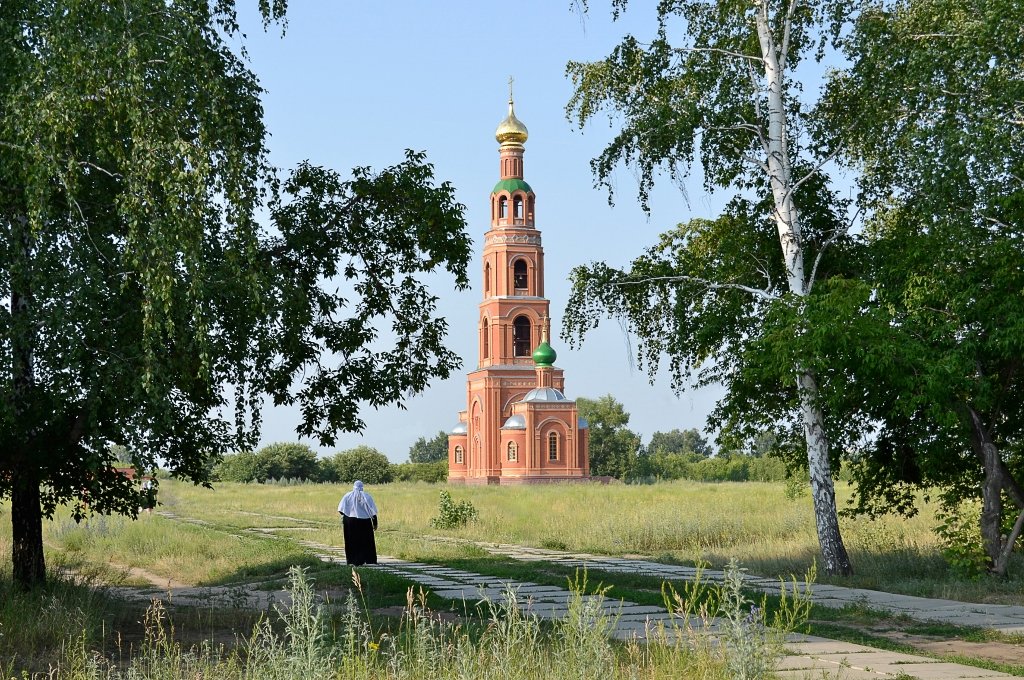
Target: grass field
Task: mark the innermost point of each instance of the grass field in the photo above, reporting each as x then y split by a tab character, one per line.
686	522
757	524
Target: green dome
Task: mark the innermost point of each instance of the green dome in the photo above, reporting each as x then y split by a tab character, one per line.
511	186
544	355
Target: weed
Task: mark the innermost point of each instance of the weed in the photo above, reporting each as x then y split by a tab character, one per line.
452	515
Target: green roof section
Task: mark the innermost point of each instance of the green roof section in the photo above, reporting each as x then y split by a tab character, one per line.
544	355
512	185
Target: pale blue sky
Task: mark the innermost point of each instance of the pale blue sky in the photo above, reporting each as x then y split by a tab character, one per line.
355	83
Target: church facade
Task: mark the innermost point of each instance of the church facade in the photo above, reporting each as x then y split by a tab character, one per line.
518	426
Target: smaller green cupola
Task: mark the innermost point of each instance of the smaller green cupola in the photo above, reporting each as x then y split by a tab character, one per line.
544	355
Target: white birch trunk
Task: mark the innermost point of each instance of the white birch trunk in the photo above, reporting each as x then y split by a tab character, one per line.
834	555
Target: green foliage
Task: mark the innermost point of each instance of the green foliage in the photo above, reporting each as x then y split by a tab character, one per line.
432	473
722	468
613	447
939	162
133	166
360	463
452	515
278	461
290	461
746	642
681	442
430	451
961	541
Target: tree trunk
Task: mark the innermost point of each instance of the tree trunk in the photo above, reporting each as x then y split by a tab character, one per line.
990	521
27	530
834	557
26	512
776	146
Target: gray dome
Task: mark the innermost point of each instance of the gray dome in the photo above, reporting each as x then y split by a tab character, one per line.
544	394
582	424
460	429
516	422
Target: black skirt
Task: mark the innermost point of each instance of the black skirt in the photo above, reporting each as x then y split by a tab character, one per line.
360	548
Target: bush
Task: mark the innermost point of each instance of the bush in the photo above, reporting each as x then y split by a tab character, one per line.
452	515
661	465
239	467
362	462
431	473
282	460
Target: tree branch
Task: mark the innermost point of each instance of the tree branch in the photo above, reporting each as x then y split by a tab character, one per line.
718	50
712	285
785	34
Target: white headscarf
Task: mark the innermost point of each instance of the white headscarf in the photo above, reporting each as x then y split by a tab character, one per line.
357	503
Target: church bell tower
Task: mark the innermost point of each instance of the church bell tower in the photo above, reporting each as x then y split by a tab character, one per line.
499	439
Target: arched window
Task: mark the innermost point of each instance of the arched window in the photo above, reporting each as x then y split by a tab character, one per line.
552	446
517	208
487	278
487	340
521	345
519	277
503	207
513	452
460	455
529	208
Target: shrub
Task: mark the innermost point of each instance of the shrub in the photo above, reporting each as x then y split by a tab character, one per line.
960	535
362	462
431	473
452	515
287	460
239	467
283	460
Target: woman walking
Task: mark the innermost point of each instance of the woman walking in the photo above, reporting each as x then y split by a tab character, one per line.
359	521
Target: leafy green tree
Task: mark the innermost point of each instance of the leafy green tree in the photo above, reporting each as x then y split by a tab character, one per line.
362	462
244	466
716	86
145	299
431	473
613	447
938	140
121	454
430	451
681	441
288	460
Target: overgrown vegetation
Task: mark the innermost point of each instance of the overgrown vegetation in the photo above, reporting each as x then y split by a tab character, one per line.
452	515
304	641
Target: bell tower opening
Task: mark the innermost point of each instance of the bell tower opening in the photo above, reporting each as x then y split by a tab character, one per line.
521	345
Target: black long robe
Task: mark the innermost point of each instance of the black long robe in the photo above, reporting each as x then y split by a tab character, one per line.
360	546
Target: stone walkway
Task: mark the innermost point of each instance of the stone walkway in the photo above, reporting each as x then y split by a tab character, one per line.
808	656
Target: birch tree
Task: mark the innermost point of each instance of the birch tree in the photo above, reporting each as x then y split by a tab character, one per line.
146	306
716	86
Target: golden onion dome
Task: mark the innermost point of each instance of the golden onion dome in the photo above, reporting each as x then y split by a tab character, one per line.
511	130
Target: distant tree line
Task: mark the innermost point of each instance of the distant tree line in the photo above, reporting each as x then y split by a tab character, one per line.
294	462
618	452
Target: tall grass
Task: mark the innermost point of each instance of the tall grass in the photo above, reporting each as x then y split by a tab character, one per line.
511	644
758	523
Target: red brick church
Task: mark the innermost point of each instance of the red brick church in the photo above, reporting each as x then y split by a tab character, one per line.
518	427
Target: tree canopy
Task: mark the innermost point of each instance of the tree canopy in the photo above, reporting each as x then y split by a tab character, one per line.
938	139
430	450
360	463
678	441
613	446
148	306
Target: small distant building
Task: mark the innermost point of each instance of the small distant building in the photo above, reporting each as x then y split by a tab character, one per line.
518	427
